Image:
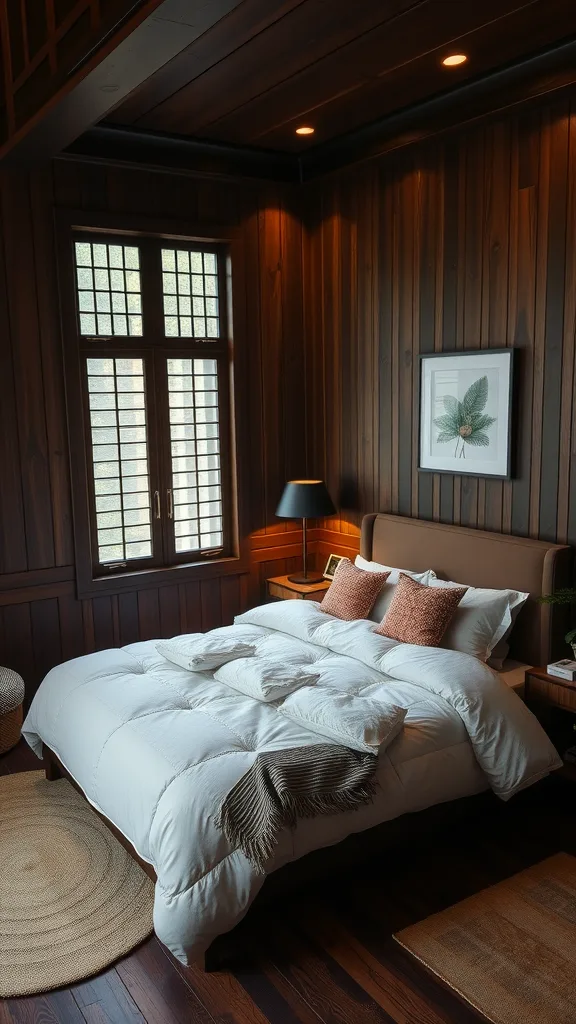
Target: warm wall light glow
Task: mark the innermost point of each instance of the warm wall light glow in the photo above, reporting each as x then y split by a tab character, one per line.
305	130
454	59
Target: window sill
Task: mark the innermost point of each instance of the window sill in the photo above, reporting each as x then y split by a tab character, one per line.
146	579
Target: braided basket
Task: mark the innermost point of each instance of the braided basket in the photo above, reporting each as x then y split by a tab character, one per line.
11	711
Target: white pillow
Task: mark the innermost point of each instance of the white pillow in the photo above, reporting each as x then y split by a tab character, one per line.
384	599
502	649
201	652
481	620
265	679
353	721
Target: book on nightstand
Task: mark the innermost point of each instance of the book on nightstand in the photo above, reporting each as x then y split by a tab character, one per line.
564	669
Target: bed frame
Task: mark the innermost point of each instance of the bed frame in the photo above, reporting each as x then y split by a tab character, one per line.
475	557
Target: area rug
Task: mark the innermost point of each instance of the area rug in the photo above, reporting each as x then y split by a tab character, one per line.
511	949
72	900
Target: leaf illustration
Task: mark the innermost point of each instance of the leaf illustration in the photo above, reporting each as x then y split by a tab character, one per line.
478	440
481	422
476	396
465	420
447	423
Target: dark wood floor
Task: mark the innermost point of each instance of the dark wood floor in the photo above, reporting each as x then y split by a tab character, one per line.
324	953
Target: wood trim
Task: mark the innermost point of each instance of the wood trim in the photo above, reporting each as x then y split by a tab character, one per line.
36	578
126	146
526	80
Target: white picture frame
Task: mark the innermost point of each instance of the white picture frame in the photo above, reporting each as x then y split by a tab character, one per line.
466	412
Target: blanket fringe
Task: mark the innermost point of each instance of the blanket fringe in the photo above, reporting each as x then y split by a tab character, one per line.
255	812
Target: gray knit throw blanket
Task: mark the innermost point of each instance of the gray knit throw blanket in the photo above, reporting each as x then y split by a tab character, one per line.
283	785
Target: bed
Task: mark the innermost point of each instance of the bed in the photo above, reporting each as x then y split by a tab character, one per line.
179	741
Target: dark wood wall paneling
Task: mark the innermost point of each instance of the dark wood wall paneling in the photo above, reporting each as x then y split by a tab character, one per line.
41	622
463	243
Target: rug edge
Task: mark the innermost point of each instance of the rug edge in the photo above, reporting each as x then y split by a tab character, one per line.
444	980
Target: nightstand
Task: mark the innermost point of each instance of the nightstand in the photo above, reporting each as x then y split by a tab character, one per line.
283	588
553	701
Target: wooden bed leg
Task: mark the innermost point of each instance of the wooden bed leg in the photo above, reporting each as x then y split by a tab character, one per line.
51	769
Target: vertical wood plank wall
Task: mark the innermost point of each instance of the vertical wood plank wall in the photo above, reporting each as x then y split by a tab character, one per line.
463	243
41	622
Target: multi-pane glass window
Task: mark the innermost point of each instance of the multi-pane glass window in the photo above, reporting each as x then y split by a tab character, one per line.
195	451
119	458
190	286
150	329
109	291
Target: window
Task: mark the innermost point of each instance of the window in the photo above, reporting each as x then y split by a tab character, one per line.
150	324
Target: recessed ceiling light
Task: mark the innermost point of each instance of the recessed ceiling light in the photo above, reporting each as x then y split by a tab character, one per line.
305	129
454	59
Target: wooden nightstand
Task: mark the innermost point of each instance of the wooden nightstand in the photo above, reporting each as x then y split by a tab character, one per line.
553	701
282	587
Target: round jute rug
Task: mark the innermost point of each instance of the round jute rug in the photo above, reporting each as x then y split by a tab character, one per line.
72	900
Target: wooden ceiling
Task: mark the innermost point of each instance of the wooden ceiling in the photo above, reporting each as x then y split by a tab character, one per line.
271	65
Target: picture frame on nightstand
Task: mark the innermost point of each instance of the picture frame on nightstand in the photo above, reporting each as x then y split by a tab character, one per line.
331	566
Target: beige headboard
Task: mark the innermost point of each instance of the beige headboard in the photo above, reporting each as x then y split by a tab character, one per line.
482	559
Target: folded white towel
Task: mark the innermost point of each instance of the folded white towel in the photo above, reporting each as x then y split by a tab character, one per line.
202	652
356	722
264	679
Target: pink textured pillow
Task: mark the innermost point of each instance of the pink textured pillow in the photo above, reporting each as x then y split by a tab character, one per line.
416	616
353	591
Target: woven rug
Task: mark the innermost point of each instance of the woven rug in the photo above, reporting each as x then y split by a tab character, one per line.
72	900
511	949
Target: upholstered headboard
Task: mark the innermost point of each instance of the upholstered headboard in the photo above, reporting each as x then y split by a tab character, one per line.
482	559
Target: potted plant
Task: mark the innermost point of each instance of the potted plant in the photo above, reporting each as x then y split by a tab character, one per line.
567	595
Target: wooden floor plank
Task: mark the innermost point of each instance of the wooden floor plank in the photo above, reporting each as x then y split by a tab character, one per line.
105	998
325	955
57	1007
226	997
321	982
402	1004
160	993
20	759
5	1017
277	1000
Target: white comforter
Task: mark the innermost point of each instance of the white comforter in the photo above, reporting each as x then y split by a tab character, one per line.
157	748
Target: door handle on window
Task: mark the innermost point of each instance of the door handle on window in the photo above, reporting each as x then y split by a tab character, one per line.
170	500
157	509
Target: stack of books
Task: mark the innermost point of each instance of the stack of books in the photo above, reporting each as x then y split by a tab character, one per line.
564	669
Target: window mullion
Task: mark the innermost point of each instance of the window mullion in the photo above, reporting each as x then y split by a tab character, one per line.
155	459
163	453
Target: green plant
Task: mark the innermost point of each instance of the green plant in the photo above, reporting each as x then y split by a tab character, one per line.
465	421
566	595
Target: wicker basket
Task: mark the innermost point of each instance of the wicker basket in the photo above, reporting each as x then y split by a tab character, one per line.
11	701
10	726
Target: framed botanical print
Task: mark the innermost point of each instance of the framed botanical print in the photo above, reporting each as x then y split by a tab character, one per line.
466	412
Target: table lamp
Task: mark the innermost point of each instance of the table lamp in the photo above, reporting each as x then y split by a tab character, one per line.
305	499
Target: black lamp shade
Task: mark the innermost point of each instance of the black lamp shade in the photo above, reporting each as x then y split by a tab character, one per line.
305	499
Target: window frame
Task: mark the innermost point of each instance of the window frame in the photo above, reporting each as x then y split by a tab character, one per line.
226	350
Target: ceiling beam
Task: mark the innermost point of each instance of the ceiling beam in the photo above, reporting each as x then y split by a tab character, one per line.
526	80
124	146
143	43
